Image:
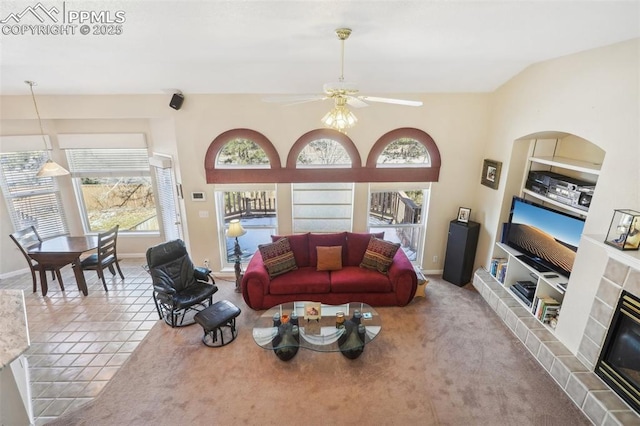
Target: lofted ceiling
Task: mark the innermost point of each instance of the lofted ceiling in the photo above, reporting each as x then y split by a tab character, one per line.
289	47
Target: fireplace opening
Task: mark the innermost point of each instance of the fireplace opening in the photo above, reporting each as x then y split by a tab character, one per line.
619	362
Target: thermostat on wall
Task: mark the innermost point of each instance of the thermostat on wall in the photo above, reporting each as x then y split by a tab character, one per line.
197	196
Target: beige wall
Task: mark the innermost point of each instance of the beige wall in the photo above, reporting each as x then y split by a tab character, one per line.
457	122
594	95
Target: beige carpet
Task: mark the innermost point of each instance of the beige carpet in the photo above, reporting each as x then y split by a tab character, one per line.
442	360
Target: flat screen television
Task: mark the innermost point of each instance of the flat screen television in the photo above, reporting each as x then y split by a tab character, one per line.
548	239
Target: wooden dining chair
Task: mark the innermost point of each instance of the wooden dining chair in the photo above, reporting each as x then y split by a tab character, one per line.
105	257
26	238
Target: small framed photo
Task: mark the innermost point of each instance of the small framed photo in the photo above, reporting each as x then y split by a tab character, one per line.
463	214
312	311
491	173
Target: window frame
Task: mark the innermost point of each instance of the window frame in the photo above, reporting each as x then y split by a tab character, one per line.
421	226
223	226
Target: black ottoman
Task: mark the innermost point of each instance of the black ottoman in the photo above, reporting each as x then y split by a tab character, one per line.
213	318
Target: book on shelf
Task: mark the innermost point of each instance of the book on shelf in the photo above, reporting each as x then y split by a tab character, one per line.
545	308
498	268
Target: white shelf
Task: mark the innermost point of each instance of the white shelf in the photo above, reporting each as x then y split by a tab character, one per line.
569	164
555	203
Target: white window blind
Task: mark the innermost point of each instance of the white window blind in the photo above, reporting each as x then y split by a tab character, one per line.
322	207
166	201
31	200
108	162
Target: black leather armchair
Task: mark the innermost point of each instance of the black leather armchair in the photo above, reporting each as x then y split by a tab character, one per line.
178	286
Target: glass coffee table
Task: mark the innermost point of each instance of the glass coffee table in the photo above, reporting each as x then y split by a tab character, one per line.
345	328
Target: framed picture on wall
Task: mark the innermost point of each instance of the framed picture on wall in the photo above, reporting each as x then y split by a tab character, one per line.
463	214
491	173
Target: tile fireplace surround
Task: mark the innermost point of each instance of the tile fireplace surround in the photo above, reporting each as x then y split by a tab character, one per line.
573	373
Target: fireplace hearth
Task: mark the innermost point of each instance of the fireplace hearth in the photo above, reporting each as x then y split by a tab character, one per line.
619	361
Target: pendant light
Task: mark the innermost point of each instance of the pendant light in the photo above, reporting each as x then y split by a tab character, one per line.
50	168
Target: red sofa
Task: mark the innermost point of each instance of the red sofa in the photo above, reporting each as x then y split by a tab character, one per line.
350	283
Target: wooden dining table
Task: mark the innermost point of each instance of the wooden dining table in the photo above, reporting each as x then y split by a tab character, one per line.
61	251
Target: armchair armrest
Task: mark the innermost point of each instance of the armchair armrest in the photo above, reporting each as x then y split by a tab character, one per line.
202	274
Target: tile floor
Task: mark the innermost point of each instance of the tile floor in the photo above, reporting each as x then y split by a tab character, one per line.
79	342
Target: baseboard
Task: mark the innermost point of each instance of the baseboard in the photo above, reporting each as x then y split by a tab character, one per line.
13	273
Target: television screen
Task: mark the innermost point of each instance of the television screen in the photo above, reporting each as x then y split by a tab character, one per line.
547	238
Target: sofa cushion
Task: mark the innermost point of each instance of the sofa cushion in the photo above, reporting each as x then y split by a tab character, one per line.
352	279
356	246
334	239
329	258
304	280
299	246
278	257
379	255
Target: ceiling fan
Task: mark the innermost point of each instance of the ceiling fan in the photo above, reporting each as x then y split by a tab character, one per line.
343	93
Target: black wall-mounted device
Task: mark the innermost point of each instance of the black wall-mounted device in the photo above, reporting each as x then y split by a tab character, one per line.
176	101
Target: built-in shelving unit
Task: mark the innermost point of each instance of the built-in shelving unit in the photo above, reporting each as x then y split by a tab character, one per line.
566	155
549	285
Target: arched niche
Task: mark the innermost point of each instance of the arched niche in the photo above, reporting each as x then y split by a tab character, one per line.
553	151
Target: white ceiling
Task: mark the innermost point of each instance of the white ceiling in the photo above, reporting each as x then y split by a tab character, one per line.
290	47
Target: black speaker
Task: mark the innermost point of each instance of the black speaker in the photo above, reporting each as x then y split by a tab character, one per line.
176	101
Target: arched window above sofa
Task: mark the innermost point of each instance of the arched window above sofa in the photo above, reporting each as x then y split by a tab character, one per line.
307	162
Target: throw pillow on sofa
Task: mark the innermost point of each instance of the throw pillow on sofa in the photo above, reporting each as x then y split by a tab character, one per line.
329	258
278	257
379	255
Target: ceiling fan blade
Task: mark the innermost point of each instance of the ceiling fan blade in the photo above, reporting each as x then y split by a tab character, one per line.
294	99
390	101
356	102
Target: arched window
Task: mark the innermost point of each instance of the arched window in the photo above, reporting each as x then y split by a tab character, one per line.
404	152
242	152
323	152
322	155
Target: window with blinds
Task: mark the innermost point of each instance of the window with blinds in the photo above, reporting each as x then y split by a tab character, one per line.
114	187
322	207
31	200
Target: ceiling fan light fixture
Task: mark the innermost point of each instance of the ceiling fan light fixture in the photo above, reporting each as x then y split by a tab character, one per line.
340	118
50	168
